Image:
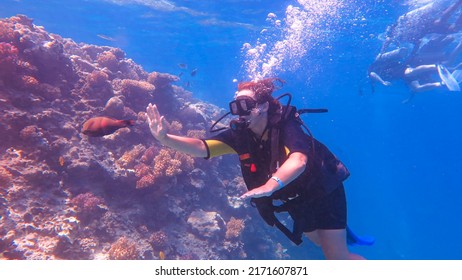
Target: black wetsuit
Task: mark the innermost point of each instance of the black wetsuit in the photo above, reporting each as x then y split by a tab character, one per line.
315	200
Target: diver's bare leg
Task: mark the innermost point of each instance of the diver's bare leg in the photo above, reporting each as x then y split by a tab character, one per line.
410	72
417	87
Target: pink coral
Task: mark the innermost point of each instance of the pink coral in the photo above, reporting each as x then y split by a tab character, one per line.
134	87
5	178
149	155
97	79
109	60
31	133
175	127
146	181
29	82
196	133
159	240
7	33
161	80
123	249
171	163
87	202
98	87
168	163
8	59
141	170
130	157
234	228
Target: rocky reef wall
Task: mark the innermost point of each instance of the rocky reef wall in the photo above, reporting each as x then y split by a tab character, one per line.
64	195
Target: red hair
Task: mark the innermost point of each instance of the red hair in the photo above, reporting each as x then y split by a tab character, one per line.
263	90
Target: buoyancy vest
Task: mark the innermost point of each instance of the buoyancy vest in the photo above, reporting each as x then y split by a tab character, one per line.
323	174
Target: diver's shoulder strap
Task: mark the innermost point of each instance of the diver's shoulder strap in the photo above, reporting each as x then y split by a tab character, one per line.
287	112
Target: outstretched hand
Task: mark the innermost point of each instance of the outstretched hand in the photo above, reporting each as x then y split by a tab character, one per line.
258	192
157	123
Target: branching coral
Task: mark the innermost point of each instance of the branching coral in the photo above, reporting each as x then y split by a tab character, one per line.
145	181
142	170
87	202
123	249
161	80
159	240
149	155
234	228
128	159
29	82
98	86
133	87
33	134
171	163
109	60
175	127
8	58
6	31
167	163
97	79
197	133
5	177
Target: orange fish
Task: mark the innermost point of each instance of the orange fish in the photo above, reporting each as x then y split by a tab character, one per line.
161	255
61	161
100	126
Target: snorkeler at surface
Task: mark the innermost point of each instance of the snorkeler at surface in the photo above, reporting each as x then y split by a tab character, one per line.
279	162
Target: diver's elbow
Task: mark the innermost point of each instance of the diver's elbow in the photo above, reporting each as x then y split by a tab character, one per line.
301	161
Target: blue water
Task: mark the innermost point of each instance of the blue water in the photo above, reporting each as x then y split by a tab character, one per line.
404	158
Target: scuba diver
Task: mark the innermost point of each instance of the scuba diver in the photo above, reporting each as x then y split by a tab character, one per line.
285	169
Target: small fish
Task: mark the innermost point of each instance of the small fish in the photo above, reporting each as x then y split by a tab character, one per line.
61	161
162	255
106	37
194	72
181	74
100	126
183	65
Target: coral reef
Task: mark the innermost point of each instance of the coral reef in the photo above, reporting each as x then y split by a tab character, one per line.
234	228
171	163
162	80
5	178
109	60
88	204
159	240
197	133
207	224
123	249
64	195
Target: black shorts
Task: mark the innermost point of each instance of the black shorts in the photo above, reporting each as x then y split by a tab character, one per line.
327	212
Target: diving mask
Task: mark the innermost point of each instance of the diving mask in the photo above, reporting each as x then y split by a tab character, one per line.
242	106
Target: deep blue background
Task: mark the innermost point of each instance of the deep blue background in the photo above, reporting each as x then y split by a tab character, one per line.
404	158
